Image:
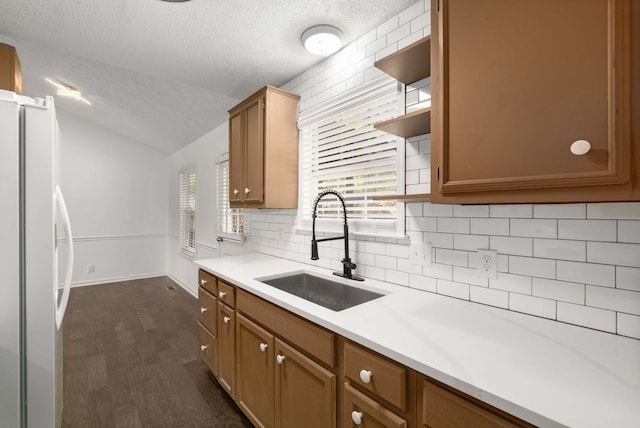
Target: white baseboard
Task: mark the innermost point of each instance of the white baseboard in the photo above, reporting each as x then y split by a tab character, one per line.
182	285
118	279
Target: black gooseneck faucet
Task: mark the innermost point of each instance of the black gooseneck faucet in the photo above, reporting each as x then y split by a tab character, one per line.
347	264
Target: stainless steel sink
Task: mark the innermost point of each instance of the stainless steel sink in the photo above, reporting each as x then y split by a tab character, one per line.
324	292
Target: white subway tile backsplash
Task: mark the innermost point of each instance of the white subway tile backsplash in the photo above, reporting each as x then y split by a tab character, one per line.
542	268
578	211
587	230
629	325
534	228
511	211
412	38
395	277
453	289
439	271
404	265
423	283
375	272
488	296
368	38
471	211
629	231
560	249
375	248
451	257
376	45
614	299
537	306
512	283
453	225
412	12
439	240
628	278
426	224
437	210
511	245
559	290
387	26
469	276
587	273
616	210
399	33
614	254
470	242
585	316
489	226
420	22
397	250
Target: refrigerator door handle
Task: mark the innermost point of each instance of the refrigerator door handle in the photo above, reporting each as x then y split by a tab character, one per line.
64	216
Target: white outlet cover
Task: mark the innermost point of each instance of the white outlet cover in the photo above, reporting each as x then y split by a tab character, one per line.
487	264
420	253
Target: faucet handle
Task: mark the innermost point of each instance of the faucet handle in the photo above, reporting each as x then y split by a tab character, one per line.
348	263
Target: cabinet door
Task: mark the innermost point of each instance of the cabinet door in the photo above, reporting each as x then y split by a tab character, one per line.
226	348
305	391
363	412
255	383
516	84
208	348
208	312
254	156
236	158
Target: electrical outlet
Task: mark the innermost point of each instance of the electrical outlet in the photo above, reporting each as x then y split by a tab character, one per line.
487	264
420	253
91	268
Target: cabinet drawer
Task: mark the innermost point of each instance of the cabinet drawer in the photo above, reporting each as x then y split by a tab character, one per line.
442	408
208	312
208	348
314	340
386	379
208	281
226	294
371	413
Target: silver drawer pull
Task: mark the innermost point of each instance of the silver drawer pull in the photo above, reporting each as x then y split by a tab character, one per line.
365	376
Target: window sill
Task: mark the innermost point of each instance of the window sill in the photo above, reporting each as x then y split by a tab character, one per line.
365	236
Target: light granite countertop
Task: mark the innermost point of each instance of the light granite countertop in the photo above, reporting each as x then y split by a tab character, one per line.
545	372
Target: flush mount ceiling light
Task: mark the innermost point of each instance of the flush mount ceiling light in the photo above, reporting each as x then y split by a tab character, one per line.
322	39
68	91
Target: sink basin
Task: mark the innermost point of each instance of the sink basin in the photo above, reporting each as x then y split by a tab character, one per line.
324	292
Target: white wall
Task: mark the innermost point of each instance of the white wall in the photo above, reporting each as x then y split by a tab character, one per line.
206	151
117	193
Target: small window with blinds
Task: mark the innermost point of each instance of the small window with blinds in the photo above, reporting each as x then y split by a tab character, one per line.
341	150
188	179
230	220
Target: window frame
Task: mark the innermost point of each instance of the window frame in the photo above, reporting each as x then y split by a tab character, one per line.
348	100
222	197
187	233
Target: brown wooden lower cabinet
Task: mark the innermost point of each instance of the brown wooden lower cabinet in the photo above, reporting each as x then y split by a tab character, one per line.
255	383
305	391
286	372
361	411
226	348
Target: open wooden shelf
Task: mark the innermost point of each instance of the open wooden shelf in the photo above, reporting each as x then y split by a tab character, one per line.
409	64
417	197
408	125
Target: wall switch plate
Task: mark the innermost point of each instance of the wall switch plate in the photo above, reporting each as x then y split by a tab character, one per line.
420	253
487	264
91	268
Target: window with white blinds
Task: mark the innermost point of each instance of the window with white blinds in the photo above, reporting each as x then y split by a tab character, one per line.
188	179
230	220
341	150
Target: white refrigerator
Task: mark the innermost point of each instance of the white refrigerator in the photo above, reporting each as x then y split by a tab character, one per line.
34	224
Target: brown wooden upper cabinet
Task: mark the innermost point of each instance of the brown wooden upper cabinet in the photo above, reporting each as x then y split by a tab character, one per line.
10	70
515	84
263	150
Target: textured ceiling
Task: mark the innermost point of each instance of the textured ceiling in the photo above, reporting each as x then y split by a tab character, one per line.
164	73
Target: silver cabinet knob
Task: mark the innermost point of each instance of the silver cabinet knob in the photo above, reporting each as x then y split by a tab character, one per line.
580	147
246	190
365	376
263	347
236	191
226	320
203	348
222	294
203	281
356	417
203	310
280	359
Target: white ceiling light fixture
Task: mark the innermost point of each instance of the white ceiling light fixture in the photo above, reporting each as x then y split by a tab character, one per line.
322	39
68	91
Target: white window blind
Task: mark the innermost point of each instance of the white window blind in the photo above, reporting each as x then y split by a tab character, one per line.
230	220
341	150
188	179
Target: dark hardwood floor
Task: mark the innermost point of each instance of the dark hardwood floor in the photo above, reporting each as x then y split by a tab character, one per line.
131	360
